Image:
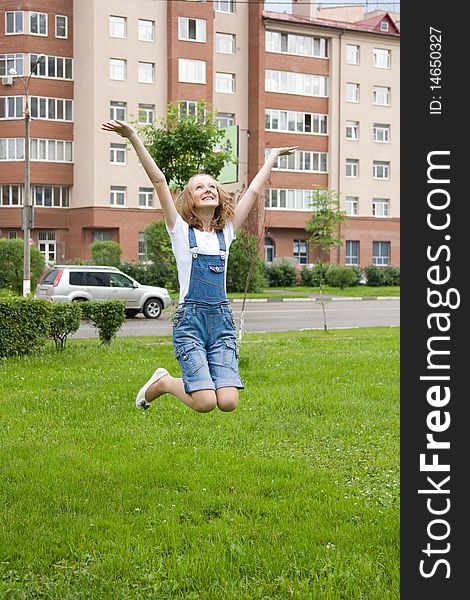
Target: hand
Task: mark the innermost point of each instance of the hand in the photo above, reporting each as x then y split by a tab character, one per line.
119	127
284	151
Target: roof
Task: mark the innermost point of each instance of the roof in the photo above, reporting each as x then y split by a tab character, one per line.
370	25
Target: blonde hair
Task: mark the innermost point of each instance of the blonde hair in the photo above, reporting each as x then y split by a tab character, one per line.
223	213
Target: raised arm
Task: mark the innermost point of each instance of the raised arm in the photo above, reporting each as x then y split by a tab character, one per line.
155	175
248	199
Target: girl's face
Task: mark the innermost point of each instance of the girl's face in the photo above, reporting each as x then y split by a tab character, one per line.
204	191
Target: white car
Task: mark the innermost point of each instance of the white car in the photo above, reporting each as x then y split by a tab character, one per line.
79	283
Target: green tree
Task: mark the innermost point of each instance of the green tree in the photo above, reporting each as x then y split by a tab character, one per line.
324	228
159	252
106	253
12	263
184	145
245	267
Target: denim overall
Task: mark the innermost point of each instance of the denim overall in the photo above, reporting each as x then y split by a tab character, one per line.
204	336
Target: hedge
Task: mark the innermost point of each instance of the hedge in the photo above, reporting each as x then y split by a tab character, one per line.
25	325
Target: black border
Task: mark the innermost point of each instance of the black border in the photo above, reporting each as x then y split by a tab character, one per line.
421	133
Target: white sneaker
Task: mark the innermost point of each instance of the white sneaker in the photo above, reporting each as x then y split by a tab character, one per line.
140	400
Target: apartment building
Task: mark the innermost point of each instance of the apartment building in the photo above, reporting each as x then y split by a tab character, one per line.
329	86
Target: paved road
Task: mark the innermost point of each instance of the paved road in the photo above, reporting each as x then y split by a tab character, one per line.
280	316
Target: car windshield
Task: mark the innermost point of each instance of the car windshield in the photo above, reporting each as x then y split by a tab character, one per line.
49	277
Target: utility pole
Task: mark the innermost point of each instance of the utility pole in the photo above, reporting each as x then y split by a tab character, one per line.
27	211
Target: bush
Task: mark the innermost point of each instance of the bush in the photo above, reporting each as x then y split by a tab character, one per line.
107	316
374	275
65	320
390	276
25	325
161	275
160	253
340	277
12	264
311	276
281	274
106	253
244	255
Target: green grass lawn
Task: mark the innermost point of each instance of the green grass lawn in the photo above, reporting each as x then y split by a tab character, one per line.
293	495
355	291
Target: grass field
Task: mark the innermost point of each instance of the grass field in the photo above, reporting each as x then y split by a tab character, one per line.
294	495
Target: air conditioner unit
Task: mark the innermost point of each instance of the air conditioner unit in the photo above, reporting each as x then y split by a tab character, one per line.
8	80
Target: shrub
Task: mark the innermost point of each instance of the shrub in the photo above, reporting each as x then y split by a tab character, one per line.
12	264
161	275
106	253
281	274
65	320
25	325
374	275
390	276
107	316
159	252
340	277
311	275
243	257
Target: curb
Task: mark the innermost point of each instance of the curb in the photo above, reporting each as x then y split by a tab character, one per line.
316	299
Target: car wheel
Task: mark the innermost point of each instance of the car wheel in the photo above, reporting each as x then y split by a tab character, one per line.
131	313
152	308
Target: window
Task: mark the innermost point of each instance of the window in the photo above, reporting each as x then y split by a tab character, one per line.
146	30
47	245
54	67
51	150
193	30
50	196
117	69
382	58
11	107
290	43
191	71
117	154
192	108
146	113
101	235
61	26
352	167
11	195
225	119
269	250
381	133
352	252
117	196
311	162
227	6
225	83
142	247
56	109
117	26
38	23
146	72
11	148
303	84
300	251
298	122
290	199
11	61
382	96
14	22
380	169
352	54
352	92
12	235
117	110
352	130
380	207
146	197
384	26
352	206
380	253
225	43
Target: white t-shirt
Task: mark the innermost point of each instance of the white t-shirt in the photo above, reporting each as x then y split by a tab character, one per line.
207	243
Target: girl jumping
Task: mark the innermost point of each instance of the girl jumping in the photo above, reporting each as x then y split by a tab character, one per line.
204	337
